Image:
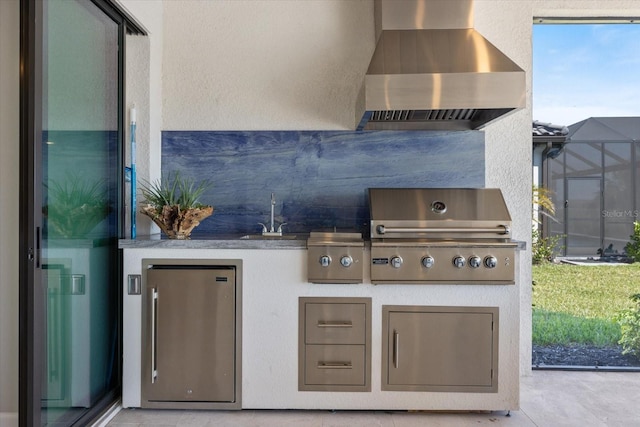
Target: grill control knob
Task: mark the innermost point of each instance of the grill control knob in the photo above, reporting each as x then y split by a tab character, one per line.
490	262
459	261
325	260
396	262
428	261
346	261
475	262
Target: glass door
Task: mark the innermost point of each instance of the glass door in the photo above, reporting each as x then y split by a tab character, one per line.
73	347
80	207
583	208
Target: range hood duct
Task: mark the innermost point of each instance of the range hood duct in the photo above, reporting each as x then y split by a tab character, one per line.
432	71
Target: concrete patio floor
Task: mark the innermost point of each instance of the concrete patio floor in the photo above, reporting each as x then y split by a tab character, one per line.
547	399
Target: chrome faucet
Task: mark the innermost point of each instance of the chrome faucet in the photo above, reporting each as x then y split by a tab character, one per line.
271	231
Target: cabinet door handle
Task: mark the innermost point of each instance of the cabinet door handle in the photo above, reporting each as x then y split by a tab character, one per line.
323	324
335	365
396	349
154	334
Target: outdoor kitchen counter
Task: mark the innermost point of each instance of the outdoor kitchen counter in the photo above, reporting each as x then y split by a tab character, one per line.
230	241
274	278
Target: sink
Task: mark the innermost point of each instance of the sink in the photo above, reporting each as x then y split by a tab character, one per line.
261	237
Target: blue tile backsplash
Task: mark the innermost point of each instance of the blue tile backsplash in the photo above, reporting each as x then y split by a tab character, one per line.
320	178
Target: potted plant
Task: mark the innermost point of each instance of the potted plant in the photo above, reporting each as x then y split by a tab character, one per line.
172	203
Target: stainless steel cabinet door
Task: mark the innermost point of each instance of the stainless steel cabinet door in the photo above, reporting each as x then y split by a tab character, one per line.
441	349
189	354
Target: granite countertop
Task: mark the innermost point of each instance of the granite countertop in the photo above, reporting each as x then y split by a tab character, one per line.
218	241
231	241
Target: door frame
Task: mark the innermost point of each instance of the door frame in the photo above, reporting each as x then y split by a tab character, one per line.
31	308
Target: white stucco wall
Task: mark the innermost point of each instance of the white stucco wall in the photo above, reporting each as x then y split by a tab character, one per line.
508	144
9	160
264	65
144	91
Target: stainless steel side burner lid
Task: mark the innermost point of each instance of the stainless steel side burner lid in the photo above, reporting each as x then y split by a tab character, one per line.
440	235
335	257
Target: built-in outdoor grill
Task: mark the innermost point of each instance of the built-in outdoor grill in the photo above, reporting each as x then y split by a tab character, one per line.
440	235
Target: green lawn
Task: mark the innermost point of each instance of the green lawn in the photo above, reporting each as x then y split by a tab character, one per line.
578	304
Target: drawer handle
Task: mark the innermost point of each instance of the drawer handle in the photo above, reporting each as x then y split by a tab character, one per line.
323	324
335	365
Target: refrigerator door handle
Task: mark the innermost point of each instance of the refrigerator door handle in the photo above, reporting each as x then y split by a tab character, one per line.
154	334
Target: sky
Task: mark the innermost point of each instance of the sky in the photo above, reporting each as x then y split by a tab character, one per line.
585	70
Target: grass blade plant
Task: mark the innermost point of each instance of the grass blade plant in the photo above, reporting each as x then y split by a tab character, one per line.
174	190
575	304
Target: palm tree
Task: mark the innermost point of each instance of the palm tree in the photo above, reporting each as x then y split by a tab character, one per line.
542	204
543	248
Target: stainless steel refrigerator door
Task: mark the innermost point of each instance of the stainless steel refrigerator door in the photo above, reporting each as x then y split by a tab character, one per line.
189	351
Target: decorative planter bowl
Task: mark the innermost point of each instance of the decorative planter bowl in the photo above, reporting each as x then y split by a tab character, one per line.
177	223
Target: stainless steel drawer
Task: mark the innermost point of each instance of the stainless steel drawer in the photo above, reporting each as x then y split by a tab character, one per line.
335	365
334	344
335	323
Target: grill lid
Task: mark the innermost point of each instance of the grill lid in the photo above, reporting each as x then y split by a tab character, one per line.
439	213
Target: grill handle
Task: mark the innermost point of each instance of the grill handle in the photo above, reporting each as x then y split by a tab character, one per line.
501	229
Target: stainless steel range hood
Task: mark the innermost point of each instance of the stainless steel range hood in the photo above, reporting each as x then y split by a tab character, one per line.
432	70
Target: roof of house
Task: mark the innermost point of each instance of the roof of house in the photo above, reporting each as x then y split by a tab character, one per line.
600	129
551	137
548	129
